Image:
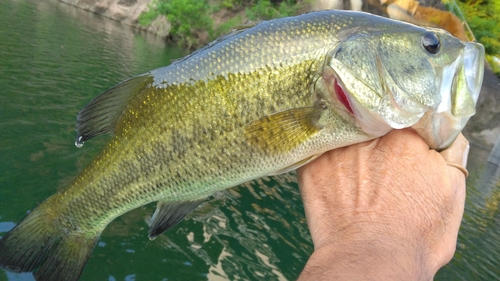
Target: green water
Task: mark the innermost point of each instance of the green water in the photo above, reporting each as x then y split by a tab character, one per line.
55	58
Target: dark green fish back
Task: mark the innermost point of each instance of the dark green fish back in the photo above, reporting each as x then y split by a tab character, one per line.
274	43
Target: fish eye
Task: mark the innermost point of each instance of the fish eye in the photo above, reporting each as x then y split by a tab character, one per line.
431	42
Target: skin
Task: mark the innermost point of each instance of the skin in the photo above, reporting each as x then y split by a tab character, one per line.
386	209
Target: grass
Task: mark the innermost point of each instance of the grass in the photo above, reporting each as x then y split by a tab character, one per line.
483	17
190	18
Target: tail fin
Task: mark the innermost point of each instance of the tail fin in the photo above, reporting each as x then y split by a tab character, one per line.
52	252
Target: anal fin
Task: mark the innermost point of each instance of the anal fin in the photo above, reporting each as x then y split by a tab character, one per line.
168	214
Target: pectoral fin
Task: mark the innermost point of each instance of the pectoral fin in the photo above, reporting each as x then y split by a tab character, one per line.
284	131
168	214
100	115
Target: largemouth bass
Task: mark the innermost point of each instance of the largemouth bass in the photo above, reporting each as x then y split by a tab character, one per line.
262	100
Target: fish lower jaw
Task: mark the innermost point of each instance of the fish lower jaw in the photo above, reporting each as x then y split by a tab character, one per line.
439	130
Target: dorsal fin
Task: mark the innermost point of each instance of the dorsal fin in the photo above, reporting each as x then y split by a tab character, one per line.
100	115
168	214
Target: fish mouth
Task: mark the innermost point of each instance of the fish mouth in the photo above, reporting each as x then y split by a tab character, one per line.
459	91
437	124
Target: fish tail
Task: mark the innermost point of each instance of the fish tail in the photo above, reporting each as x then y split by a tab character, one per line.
50	251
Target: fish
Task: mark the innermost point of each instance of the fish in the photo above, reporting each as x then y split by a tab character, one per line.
263	100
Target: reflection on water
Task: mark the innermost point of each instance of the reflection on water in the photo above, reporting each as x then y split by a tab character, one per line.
478	249
55	58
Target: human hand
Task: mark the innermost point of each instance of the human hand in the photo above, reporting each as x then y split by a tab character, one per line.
386	209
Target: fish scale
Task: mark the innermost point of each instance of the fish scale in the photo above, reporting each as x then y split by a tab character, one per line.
225	132
263	100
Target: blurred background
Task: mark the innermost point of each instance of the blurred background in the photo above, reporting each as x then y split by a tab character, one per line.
55	57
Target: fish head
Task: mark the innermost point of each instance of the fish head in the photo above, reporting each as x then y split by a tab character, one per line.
407	76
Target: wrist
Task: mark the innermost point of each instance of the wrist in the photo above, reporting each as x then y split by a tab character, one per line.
371	257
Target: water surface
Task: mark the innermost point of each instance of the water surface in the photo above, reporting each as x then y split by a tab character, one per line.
55	58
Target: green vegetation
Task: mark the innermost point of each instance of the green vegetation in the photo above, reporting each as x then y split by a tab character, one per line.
186	16
193	23
230	4
483	17
266	10
494	62
226	26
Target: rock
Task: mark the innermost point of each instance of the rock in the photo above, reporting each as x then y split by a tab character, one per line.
484	127
160	26
336	4
442	19
127	3
124	11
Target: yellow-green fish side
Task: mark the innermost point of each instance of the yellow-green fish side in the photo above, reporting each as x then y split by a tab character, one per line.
181	139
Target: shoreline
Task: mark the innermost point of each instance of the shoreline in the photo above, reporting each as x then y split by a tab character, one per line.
124	11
